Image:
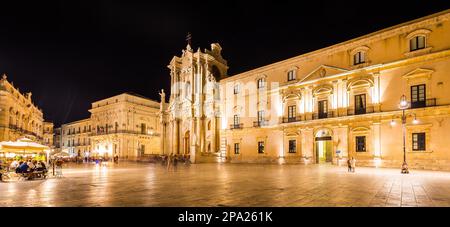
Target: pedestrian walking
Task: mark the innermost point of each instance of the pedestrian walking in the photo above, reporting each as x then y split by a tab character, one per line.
175	162
353	164
169	160
349	165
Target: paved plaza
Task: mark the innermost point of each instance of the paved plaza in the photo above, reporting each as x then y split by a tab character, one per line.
230	185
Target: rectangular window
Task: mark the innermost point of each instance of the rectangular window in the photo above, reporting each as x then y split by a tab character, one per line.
418	141
143	128
260	116
236	89
417	43
291	75
292	146
360	104
323	109
291	112
261	83
237	149
418	96
359	58
360	144
236	120
260	147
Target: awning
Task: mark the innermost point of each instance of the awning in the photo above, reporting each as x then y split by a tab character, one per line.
22	146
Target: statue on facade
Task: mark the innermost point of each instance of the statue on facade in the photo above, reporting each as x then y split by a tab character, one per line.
163	95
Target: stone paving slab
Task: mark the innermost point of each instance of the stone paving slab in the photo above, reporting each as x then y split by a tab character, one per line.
132	184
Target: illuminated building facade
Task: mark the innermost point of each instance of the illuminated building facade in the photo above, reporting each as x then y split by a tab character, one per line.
48	134
19	116
75	139
320	107
125	125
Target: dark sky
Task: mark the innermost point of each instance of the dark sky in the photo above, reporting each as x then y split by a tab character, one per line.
71	53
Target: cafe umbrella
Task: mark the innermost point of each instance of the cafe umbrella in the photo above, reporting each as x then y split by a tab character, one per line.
25	148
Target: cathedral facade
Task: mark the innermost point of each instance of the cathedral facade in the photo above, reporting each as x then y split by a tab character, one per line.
382	98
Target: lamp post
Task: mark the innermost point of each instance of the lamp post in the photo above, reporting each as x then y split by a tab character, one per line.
403	105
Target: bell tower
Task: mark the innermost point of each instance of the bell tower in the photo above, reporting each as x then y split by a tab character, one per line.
191	119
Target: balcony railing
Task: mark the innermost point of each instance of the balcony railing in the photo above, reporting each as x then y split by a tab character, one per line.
367	110
260	123
123	132
291	119
236	126
422	104
328	114
25	132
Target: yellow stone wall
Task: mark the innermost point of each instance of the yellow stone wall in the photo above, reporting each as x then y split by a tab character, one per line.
389	71
124	115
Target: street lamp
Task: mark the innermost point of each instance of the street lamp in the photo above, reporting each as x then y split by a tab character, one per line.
403	105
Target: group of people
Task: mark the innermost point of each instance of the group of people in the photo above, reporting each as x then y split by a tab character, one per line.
173	159
28	166
351	163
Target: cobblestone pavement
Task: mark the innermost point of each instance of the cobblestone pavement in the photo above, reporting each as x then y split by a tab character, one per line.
230	185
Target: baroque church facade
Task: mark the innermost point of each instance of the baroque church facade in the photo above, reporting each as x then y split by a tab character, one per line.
378	98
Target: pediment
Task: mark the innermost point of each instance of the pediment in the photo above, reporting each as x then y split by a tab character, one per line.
419	72
322	72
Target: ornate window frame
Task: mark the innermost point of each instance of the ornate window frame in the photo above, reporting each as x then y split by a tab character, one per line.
239	88
420	128
413	34
292	136
359	86
264	140
363	49
264	78
416	77
239	141
361	131
293	69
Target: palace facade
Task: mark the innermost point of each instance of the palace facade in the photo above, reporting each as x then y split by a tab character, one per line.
20	117
125	125
320	107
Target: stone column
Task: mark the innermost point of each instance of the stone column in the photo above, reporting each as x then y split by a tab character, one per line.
202	135
376	92
176	133
335	98
376	139
217	134
307	139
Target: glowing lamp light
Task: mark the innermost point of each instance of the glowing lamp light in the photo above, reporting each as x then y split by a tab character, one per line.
403	103
415	121
393	123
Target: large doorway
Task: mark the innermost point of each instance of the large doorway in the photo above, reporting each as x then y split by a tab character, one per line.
187	145
323	147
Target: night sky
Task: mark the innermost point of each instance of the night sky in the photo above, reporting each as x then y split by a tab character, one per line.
71	53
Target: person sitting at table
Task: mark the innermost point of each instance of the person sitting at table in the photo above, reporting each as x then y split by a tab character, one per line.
31	165
14	164
23	168
40	166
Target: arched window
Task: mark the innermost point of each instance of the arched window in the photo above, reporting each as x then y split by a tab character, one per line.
291	75
236	89
359	58
261	83
417	43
